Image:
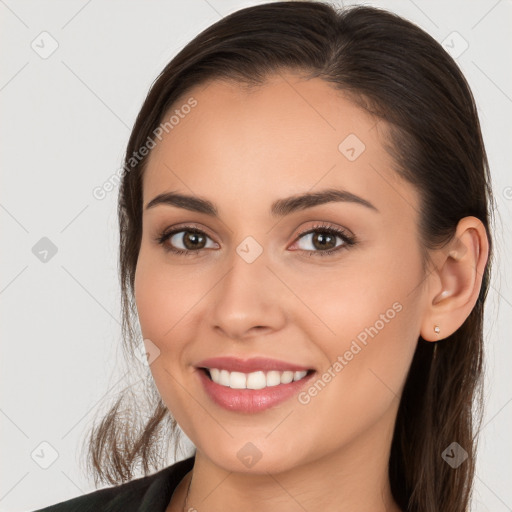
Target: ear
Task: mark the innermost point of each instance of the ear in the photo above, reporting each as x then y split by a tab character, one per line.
454	285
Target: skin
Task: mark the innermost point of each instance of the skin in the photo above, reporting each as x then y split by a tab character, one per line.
243	150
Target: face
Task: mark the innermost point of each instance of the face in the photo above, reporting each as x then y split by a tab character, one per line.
330	286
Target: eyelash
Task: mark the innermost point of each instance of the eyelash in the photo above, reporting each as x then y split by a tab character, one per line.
348	240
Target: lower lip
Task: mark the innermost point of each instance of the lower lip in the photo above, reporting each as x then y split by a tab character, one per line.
251	400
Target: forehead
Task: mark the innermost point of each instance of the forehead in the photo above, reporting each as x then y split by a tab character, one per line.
285	137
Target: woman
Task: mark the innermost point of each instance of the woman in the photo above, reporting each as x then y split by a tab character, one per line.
305	240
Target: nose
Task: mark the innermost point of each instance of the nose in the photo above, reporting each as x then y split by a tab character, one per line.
248	300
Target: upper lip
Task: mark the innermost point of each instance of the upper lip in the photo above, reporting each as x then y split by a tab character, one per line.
234	364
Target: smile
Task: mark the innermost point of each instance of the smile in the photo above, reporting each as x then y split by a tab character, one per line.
253	380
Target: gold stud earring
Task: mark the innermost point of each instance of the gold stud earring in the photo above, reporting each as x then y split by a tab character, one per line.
437	329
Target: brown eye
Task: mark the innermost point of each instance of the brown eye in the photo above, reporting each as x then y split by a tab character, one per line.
185	241
190	239
322	240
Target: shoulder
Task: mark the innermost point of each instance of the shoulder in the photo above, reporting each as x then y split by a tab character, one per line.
149	493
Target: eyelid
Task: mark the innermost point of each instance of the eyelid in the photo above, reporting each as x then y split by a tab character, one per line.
347	237
327	226
187	226
323	225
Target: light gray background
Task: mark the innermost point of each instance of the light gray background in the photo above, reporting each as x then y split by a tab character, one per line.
65	123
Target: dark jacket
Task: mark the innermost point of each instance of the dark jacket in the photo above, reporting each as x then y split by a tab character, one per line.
147	494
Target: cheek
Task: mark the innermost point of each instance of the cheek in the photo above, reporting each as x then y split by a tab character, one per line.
163	297
147	295
149	298
162	319
346	301
366	362
370	315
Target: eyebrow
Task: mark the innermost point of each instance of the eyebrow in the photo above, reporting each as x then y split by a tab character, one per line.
279	208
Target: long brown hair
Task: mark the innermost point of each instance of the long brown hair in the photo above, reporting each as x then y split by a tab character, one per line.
400	74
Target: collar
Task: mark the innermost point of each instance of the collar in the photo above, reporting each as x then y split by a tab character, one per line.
163	483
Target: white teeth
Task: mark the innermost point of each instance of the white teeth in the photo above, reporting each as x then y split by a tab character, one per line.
254	380
215	373
273	378
286	377
237	380
299	375
224	378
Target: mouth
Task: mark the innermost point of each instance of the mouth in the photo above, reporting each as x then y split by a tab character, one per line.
251	385
254	380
